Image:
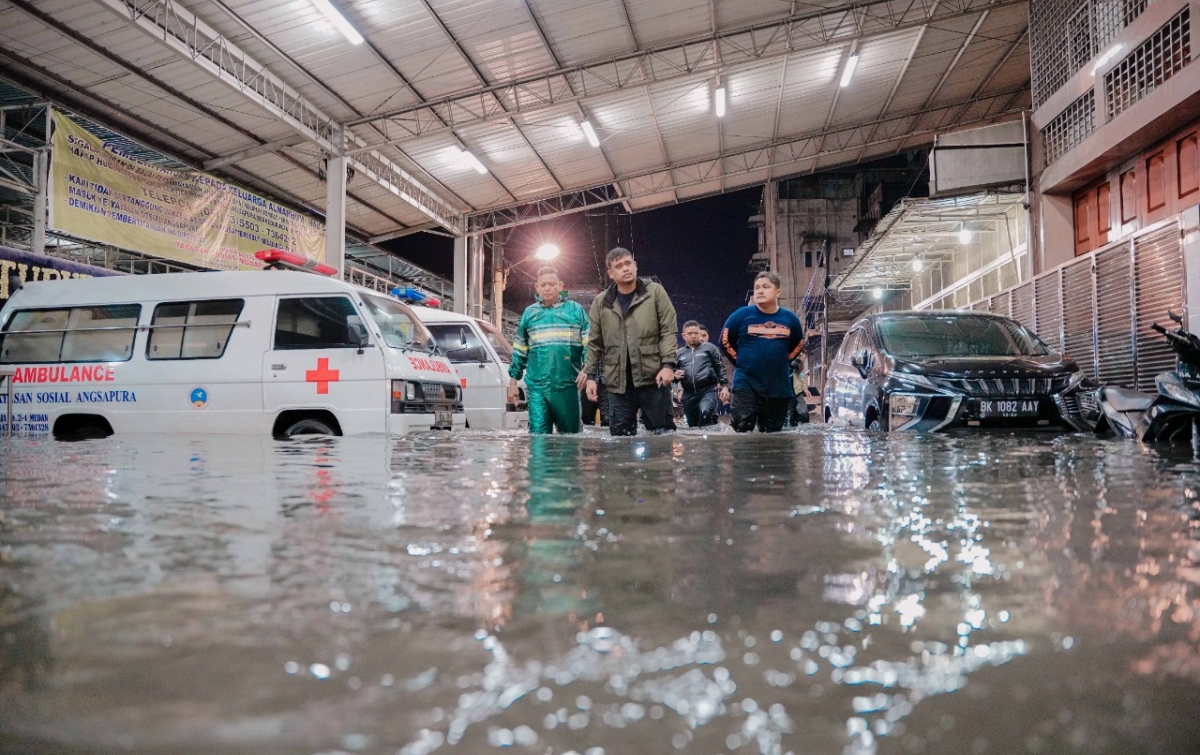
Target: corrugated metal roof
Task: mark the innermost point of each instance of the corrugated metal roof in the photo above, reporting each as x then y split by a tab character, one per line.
651	110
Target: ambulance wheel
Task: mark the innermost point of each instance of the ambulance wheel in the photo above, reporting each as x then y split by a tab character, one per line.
308	427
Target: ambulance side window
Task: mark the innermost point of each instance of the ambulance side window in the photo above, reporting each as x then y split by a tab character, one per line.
80	334
316	323
192	330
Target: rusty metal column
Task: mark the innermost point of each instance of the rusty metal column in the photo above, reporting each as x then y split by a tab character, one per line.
460	272
771	235
498	284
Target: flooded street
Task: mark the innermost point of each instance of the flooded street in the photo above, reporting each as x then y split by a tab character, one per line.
823	591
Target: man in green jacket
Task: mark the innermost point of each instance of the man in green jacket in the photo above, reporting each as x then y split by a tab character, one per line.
549	351
633	340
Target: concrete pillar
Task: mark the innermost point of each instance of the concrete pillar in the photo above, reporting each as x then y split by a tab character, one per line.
1190	220
770	192
335	203
1056	232
460	274
41	181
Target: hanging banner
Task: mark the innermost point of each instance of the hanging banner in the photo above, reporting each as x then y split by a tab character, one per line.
18	267
100	193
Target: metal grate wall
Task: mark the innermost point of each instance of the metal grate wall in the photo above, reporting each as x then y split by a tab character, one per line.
1154	61
1070	127
1065	34
1098	308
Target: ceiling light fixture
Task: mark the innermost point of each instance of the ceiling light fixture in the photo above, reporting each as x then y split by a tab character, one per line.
918	265
339	21
471	161
590	133
546	252
877	293
964	236
847	74
719	97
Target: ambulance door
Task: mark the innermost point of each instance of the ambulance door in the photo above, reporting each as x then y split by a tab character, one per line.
478	372
321	357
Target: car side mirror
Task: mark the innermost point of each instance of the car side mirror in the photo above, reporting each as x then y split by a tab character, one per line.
357	332
861	361
462	337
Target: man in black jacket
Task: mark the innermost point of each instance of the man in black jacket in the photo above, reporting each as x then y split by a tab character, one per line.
701	371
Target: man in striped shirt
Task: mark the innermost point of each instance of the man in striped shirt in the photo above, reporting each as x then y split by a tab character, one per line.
549	350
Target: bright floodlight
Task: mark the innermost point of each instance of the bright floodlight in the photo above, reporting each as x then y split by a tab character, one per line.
847	74
339	21
877	293
590	133
918	265
546	252
471	161
720	101
964	236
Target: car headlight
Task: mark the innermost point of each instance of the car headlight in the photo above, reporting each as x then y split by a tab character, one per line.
904	404
404	390
911	379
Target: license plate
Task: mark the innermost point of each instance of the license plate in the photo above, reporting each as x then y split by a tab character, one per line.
1007	409
443	420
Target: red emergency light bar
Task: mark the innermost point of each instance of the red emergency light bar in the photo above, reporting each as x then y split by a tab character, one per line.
280	258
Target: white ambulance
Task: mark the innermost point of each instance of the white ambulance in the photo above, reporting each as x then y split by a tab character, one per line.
258	352
481	355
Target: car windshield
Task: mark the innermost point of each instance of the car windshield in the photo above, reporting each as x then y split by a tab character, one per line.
956	336
400	327
498	342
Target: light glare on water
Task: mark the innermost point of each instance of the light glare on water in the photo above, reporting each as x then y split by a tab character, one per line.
824	591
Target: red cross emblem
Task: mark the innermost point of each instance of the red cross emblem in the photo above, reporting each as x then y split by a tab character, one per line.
322	376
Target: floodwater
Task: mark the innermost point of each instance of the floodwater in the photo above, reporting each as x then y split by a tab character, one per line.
820	591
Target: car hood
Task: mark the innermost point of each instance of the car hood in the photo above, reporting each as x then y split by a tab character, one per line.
988	367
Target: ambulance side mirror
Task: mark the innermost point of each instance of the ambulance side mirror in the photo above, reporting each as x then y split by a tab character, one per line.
357	332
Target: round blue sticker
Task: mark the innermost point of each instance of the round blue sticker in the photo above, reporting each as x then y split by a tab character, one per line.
199	398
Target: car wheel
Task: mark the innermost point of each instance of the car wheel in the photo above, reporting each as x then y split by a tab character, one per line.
874	424
308	427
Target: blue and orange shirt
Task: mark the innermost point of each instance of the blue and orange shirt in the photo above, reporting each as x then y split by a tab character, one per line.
762	347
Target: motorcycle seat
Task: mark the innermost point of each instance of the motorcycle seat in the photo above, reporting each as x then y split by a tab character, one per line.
1125	400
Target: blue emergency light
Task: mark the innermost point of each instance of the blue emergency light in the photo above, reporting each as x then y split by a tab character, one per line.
413	296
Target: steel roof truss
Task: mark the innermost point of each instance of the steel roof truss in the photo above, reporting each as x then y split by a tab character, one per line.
709	55
178	29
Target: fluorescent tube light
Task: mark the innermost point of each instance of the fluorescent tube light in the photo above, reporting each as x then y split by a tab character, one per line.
471	161
339	21
964	236
847	74
590	133
720	101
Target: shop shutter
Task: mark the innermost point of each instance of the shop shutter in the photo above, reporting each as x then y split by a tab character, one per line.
1022	305
1079	313
1048	315
1158	279
1114	317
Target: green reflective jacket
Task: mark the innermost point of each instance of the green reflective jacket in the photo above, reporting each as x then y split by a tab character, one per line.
549	345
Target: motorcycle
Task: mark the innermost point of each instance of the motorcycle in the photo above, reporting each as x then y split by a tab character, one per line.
1170	416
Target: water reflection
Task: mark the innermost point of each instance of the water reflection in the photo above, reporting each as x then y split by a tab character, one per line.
816	592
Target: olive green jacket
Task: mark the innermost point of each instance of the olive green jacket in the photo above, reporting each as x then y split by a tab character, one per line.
644	337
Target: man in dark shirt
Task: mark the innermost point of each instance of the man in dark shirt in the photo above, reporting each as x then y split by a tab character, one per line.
701	372
761	339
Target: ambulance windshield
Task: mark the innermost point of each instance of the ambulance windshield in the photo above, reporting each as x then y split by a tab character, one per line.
400	328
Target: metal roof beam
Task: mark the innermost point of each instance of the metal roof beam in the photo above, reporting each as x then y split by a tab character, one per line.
245	154
957	57
177	28
788	151
712	53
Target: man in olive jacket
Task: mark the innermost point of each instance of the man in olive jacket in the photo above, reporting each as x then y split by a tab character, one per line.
632	338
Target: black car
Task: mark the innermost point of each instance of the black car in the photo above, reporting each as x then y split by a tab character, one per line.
935	369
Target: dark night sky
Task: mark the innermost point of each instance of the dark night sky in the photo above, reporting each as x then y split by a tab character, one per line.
698	249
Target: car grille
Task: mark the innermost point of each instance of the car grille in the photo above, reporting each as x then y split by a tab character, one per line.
1087	402
1003	387
1070	404
439	392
